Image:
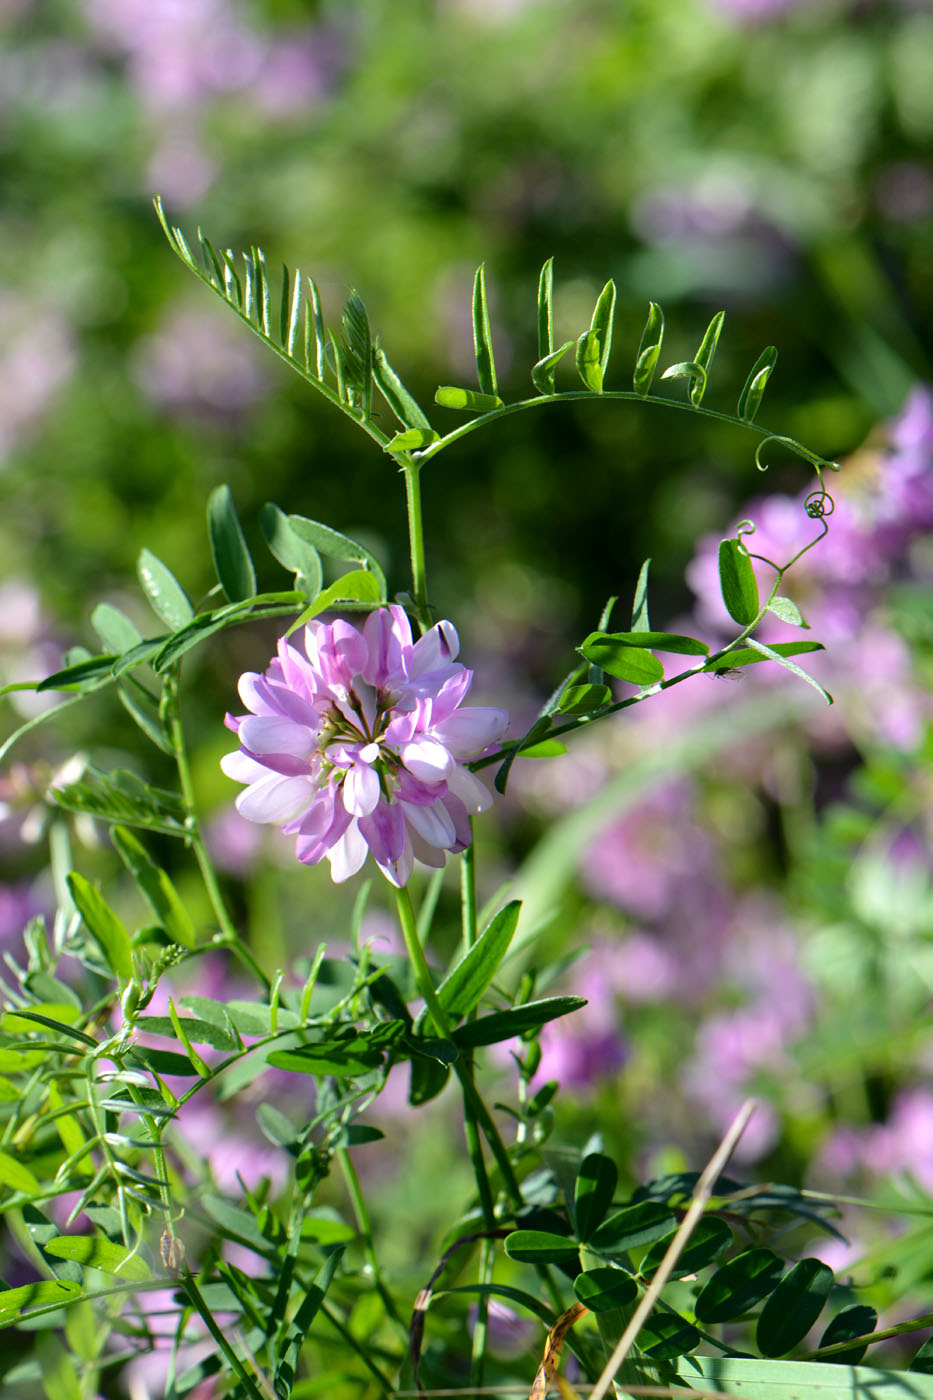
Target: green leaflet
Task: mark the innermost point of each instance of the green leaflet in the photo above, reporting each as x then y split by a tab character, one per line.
793	1307
593	1191
704	357
96	1253
756	383
594	345
16	1174
503	1025
540	1247
738	583
711	1238
115	630
482	337
626	662
603	1289
739	1285
232	559
466	982
106	928
158	889
546	313
292	550
646	361
450	397
632	1226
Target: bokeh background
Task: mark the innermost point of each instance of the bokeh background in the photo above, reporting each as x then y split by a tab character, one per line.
749	875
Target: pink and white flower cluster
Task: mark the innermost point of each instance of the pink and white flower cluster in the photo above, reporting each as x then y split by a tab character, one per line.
358	744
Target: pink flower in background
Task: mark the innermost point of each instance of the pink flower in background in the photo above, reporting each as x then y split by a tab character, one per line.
357	745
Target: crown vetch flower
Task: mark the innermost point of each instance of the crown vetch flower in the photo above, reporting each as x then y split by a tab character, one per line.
358	744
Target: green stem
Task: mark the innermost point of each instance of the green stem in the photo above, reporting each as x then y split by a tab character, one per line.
188	1286
231	938
462	1066
364	1226
468	895
419	586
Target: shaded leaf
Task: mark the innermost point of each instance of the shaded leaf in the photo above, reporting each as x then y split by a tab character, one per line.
593	1191
667	1335
104	925
739	1285
709	1240
168	599
632	1226
161	894
232	559
292	550
625	662
115	630
540	1247
640	605
603	1289
858	1320
793	1307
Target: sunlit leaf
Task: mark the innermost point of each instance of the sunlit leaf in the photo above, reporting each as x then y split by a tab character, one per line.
738	583
466	982
753	391
646	361
449	397
96	1253
626	662
106	928
482	337
503	1025
593	1191
704	357
158	889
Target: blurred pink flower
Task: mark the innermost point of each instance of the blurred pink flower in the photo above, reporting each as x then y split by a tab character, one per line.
358	744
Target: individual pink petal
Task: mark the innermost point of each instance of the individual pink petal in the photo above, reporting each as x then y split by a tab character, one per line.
274	799
384	830
388	637
461	820
432	823
468	732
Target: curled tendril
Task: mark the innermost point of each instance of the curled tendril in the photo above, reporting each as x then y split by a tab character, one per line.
819	504
744	527
819	463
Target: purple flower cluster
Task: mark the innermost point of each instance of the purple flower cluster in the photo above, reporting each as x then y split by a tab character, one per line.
358	745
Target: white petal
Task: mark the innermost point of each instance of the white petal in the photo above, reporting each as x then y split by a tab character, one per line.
467	732
267	734
275	799
428	760
474	795
347	855
241	768
361	790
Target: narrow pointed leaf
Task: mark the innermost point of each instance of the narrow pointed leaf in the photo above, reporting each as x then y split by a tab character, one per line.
160	893
337	546
358	586
405	407
482	336
739	1285
640	605
746	656
655	641
595	1186
97	670
753	391
504	1025
738	583
231	556
773	654
793	1307
588	366
704	357
646	361
465	984
33	1295
167	597
295	1330
467	399
104	925
360	347
145	713
315	336
543	373
546	313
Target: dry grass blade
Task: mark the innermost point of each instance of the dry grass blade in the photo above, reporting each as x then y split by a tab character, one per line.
423	1300
552	1350
701	1194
